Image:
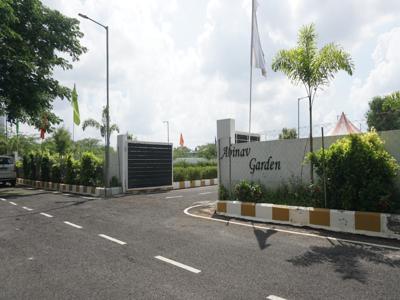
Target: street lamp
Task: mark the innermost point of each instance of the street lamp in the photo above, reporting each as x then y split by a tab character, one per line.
167	122
107	149
298	115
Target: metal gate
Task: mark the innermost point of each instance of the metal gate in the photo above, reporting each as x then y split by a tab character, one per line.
149	165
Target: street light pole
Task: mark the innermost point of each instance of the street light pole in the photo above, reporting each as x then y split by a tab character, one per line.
298	115
167	122
107	148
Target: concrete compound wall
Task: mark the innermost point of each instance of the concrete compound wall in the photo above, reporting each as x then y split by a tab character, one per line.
272	162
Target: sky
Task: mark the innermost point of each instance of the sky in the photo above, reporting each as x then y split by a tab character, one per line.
188	62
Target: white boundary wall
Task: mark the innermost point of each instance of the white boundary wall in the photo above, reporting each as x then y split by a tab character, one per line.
272	162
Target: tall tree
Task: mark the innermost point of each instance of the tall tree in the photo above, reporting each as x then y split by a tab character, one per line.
34	40
313	68
102	127
288	134
384	112
62	140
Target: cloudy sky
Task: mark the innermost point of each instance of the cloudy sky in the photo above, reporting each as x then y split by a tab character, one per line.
187	61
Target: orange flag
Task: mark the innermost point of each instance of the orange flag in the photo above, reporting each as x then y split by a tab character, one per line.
181	141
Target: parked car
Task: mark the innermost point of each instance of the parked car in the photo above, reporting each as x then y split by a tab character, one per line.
7	170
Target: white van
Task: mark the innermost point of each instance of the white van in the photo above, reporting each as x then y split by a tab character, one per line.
7	170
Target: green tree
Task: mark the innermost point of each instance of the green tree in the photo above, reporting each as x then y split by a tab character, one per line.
100	126
181	152
34	40
313	68
384	112
62	140
288	134
208	151
88	145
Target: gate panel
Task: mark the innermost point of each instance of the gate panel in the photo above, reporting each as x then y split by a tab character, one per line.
149	165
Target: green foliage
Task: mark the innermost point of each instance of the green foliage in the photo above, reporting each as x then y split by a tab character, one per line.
223	193
56	171
179	174
288	133
45	167
89	169
208	172
182	152
208	151
102	127
19	169
72	169
26	166
248	191
384	112
312	67
359	172
34	40
62	140
32	166
114	182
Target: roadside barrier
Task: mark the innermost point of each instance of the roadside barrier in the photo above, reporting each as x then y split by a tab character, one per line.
366	223
194	183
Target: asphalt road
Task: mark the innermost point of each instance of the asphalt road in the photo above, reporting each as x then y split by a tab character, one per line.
58	246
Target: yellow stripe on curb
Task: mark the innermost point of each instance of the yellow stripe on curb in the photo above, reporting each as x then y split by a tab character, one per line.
203	182
248	209
367	221
221	207
280	213
181	184
320	216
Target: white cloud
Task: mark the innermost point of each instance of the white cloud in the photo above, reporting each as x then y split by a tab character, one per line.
187	61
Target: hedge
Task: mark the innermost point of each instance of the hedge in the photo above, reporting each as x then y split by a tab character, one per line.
42	166
194	173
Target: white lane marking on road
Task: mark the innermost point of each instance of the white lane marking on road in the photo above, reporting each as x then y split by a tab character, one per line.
27	208
2	199
65	194
172	197
13	203
205	193
46	215
273	297
73	225
112	239
178	264
56	192
186	211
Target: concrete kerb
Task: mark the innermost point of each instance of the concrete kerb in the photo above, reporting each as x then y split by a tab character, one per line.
365	223
194	183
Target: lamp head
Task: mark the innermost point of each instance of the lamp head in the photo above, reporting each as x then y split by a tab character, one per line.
83	16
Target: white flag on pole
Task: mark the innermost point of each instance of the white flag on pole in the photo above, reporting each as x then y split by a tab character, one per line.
257	52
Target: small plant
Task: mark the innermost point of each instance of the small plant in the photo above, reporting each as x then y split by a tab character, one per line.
179	174
248	191
223	193
45	167
114	182
56	172
88	169
72	168
26	166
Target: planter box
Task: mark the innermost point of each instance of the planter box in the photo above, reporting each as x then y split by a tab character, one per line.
366	223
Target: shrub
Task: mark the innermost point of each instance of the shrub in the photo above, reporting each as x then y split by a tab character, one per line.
89	169
223	193
360	173
33	174
193	173
248	191
179	174
71	170
208	172
55	171
19	168
99	173
114	182
45	167
26	166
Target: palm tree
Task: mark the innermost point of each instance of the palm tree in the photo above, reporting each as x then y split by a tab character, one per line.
101	126
313	68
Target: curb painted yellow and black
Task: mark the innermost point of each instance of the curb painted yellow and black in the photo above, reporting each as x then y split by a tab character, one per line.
194	183
65	188
366	223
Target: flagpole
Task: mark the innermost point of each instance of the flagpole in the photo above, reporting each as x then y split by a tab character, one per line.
251	63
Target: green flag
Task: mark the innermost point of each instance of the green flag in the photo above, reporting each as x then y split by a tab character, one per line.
77	118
